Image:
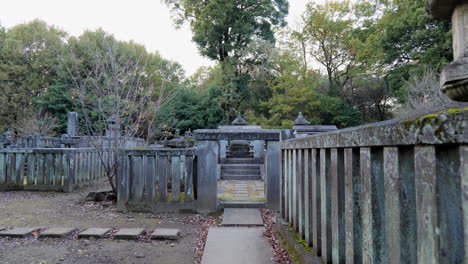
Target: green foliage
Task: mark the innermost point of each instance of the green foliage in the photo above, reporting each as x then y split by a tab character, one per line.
412	42
190	110
228	31
57	101
28	65
222	28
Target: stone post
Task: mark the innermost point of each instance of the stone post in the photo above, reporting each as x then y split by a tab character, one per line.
207	153
259	148
273	174
222	150
454	77
72	124
36	141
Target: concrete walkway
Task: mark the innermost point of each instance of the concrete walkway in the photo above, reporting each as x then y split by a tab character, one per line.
234	245
242	217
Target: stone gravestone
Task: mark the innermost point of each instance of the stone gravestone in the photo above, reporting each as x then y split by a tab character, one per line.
72	124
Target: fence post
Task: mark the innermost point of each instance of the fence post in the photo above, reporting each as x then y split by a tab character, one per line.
273	174
207	152
123	183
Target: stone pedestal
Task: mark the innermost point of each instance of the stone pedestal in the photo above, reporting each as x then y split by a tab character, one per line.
454	77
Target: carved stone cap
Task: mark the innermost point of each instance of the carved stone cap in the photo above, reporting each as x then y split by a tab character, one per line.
239	121
443	9
301	121
113	119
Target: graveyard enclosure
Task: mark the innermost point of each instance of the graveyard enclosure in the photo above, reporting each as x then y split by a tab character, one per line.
391	192
49	169
157	180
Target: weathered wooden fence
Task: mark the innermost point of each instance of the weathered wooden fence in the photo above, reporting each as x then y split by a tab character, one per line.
48	169
392	192
156	180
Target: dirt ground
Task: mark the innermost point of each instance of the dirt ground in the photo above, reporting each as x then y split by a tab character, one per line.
42	209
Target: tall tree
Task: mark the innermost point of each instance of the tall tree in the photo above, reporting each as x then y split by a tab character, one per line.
28	65
223	30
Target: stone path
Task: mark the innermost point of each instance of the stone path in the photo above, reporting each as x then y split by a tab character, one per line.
241	191
234	245
242	217
59	232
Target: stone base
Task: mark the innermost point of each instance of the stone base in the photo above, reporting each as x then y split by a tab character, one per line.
454	80
304	255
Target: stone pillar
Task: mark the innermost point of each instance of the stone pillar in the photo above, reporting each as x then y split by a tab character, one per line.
36	141
207	153
259	149
72	124
454	77
460	31
222	150
273	174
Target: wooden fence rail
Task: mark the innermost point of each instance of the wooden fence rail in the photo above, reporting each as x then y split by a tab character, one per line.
156	179
48	169
393	192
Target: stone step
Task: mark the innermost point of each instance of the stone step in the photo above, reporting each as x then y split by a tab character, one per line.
241	170
58	232
165	233
239	154
241	177
95	232
240	204
129	233
236	173
18	231
242	166
240	161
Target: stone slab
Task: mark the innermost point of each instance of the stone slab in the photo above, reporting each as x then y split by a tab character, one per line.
165	233
57	232
233	245
242	217
2	228
18	231
129	233
94	232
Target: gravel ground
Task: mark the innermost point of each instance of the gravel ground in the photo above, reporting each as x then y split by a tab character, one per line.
43	209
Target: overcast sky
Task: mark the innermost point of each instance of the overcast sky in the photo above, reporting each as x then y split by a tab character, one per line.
145	21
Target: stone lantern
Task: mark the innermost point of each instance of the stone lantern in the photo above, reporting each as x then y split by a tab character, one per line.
302	127
454	77
113	126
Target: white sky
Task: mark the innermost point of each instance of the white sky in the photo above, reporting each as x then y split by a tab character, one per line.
145	21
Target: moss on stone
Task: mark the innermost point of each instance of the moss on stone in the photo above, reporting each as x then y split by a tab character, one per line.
421	121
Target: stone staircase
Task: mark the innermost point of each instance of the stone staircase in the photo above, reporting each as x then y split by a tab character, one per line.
241	172
240	164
